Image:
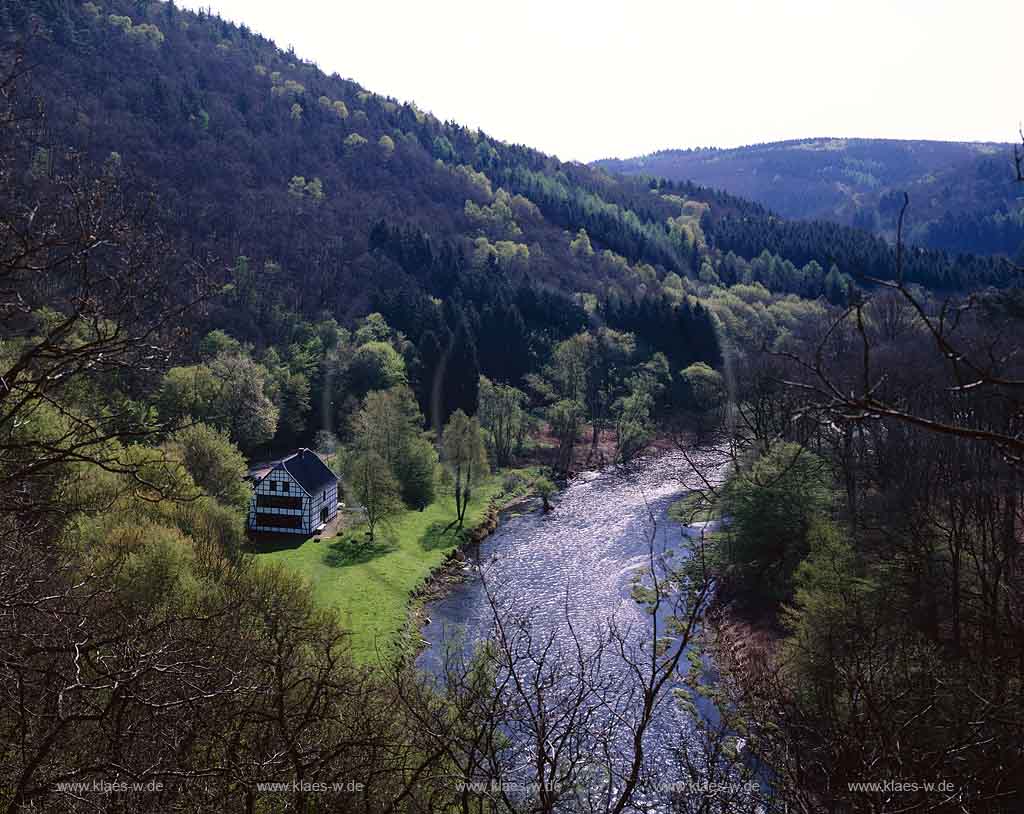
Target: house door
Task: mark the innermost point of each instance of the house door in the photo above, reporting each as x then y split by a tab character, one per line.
323	515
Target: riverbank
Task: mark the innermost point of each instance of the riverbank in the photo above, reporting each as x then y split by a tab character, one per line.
380	589
542	449
694	507
371	585
575	566
741	634
453	572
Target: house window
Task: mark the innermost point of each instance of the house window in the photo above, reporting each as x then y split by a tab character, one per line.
275	502
285	486
324	495
273	486
280	521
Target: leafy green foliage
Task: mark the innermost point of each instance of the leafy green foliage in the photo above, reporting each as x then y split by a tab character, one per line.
390	426
228	393
772	507
464	457
580	245
830	595
502	418
214	463
633	425
376	366
373	486
417	474
545	488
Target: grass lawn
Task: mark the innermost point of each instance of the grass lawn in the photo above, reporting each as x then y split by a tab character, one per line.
370	584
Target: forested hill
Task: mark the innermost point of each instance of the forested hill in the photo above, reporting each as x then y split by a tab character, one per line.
318	197
962	194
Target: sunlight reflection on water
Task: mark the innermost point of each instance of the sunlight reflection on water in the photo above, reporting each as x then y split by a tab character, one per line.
579	561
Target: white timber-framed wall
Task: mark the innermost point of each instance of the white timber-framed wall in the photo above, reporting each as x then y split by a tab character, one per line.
323	506
282	504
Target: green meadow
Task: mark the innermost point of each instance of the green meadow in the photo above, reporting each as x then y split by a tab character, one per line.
370	582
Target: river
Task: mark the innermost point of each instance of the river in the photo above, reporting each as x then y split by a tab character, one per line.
577	562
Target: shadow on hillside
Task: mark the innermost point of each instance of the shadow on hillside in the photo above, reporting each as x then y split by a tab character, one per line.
436	537
356	550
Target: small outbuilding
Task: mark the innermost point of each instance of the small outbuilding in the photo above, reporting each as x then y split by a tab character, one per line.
298	495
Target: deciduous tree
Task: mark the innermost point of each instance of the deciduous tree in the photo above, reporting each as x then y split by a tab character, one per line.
464	456
501	417
374	486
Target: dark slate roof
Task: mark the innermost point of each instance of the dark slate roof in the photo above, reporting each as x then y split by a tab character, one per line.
312	474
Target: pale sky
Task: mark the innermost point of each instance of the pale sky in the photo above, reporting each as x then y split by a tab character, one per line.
587	80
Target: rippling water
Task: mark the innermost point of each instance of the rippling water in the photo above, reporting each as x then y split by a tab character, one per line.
579	561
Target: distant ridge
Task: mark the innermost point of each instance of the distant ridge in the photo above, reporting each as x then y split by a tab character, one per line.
962	194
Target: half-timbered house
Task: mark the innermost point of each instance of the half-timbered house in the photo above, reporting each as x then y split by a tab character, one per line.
299	494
